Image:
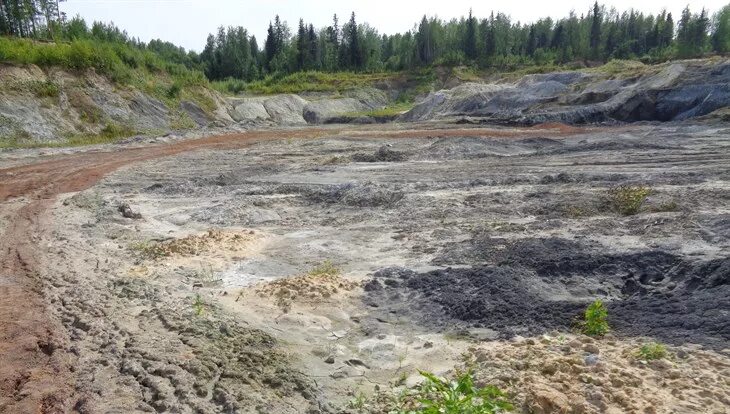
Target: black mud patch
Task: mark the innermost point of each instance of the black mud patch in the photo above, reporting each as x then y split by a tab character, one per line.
383	154
537	285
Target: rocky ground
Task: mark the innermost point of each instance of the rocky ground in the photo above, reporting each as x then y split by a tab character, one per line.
319	270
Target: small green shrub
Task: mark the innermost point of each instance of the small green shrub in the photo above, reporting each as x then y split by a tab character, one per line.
114	131
326	268
173	91
627	200
595	323
46	89
459	396
149	249
652	351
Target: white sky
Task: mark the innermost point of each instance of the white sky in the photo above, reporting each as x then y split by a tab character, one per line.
188	22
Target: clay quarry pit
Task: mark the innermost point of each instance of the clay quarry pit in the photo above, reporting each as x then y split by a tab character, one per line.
300	270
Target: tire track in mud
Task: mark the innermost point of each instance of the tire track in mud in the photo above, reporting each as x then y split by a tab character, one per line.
36	374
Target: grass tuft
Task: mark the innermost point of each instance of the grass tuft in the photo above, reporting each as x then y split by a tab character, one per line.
651	351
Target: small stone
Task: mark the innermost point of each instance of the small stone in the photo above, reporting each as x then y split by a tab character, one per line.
591	360
575	343
330	360
674	374
428	345
591	349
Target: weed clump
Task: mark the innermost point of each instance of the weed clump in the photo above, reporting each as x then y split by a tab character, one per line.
458	396
324	269
198	305
651	351
627	200
595	323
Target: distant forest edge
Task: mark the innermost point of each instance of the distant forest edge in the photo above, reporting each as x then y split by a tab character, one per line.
35	31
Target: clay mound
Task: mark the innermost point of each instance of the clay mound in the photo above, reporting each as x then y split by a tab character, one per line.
472	147
383	154
355	194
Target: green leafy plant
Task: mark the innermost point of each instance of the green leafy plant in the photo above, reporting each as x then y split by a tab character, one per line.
651	351
459	396
595	323
359	402
627	200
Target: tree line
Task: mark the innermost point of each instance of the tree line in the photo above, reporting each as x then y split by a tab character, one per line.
599	35
495	41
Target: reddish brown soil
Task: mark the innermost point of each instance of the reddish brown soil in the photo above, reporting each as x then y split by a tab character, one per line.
36	373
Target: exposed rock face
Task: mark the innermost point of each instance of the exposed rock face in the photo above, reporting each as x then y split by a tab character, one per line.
320	111
669	92
296	110
49	105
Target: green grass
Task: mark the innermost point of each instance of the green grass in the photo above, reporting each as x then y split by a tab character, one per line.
651	351
315	81
389	111
112	132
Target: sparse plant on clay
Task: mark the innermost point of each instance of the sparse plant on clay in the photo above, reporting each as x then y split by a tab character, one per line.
458	396
595	323
326	268
198	305
652	351
359	403
627	200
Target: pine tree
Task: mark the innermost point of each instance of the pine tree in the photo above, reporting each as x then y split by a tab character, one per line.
595	42
721	31
302	46
470	38
425	42
270	50
353	44
667	35
684	34
313	52
700	28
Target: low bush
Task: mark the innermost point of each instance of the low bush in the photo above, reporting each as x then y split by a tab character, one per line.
651	351
595	323
627	200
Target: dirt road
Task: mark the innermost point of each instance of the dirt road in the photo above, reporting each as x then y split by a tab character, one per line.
36	374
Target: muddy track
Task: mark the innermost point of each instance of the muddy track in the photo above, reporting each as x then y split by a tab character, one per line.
36	375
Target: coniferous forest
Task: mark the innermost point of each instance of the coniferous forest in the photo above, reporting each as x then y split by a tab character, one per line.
496	41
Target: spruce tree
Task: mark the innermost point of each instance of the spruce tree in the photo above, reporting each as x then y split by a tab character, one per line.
470	38
595	41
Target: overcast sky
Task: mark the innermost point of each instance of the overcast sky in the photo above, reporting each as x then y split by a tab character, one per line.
188	22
